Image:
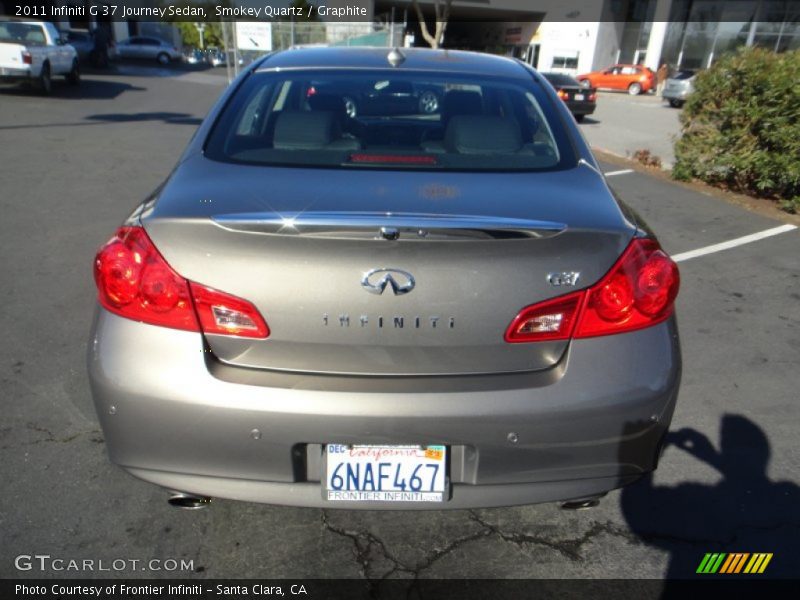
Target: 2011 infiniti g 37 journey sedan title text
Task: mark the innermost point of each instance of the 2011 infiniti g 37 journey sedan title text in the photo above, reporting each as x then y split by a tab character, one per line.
412	309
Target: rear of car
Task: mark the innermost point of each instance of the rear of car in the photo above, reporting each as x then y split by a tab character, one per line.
394	310
580	100
678	87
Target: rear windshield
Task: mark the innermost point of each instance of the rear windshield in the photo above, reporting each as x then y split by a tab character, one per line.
376	119
558	79
684	75
22	33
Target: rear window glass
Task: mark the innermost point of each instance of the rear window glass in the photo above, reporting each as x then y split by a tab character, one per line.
684	75
558	79
391	119
22	33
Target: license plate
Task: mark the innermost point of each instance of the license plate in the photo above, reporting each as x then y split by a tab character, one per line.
385	473
578	96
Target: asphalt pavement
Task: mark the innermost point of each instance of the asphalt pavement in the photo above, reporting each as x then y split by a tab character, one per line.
623	124
72	167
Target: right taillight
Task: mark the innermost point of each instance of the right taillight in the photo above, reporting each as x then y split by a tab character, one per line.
637	292
136	282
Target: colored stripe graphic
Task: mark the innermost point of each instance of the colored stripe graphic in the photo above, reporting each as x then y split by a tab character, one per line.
758	563
711	563
734	563
723	563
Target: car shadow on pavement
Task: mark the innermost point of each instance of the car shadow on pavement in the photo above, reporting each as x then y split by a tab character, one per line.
168	117
745	512
89	89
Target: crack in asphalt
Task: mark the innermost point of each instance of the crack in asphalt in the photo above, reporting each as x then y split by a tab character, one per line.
369	548
64	440
569	548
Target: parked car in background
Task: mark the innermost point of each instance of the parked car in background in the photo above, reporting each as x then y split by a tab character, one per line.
216	57
382	97
678	87
149	48
580	100
636	79
421	312
35	52
194	56
81	40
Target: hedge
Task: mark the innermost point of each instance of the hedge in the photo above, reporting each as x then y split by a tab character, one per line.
740	129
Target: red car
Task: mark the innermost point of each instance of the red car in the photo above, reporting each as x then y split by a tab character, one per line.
637	79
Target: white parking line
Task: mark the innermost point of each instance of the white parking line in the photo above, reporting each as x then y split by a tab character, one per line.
754	237
622	172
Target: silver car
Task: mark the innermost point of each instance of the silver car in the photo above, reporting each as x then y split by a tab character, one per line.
388	311
148	48
678	87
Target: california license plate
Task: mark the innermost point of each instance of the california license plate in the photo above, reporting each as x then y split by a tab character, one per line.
385	473
578	96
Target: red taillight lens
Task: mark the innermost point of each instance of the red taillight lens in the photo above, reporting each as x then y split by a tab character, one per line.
592	97
563	95
224	314
550	320
638	291
135	282
27	58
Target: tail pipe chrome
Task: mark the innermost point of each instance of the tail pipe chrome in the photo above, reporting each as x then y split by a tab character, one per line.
188	501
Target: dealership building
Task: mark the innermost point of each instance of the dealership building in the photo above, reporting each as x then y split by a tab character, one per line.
577	36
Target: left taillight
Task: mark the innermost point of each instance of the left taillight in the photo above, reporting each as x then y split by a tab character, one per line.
563	95
27	58
639	291
134	281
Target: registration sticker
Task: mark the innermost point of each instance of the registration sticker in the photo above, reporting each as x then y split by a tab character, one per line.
385	473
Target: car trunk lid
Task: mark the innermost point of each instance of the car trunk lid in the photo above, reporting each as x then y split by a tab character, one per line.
421	278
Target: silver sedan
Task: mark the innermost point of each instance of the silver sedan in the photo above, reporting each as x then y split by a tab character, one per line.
393	310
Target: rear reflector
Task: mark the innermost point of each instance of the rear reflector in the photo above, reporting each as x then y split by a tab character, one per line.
638	292
134	281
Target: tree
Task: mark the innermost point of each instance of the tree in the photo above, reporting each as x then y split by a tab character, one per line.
441	15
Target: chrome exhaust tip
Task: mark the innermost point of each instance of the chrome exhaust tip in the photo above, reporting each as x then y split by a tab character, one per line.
582	503
188	501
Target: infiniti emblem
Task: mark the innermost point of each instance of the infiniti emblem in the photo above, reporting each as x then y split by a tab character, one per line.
376	280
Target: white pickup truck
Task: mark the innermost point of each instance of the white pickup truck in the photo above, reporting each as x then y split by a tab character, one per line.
35	52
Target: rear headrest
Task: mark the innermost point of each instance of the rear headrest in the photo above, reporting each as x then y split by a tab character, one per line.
482	135
461	102
327	102
305	130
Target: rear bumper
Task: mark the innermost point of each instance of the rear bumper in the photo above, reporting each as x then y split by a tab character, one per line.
581	108
174	416
11	75
673	94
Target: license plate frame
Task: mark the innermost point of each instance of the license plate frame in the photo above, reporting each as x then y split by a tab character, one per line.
432	487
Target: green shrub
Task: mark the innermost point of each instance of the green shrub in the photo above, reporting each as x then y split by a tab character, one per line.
740	129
